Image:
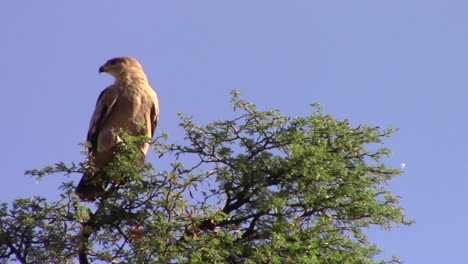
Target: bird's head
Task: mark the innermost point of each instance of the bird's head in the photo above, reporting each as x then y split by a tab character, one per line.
119	66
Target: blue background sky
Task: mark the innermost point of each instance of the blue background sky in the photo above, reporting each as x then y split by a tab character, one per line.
388	63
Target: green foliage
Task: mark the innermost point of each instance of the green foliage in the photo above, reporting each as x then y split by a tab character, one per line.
261	188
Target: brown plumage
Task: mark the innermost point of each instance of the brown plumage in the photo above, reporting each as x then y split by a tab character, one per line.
128	102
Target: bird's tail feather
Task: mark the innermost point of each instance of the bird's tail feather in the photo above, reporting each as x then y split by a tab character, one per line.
91	186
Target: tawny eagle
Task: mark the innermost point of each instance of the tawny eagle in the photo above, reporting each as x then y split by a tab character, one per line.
125	105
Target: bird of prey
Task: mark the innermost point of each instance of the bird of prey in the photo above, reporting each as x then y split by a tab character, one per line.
125	105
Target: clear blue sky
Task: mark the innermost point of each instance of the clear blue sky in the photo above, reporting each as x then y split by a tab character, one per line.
388	63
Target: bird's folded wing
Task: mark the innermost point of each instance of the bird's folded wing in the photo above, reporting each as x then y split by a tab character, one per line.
154	116
104	106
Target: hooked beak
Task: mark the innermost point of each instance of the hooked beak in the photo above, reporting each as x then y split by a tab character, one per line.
101	69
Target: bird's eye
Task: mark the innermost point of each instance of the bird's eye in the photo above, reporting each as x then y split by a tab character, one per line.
113	62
